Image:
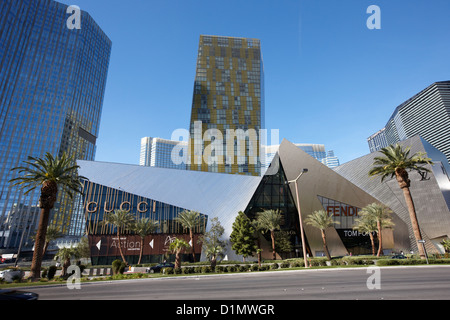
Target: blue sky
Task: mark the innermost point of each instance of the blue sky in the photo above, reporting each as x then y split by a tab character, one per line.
328	78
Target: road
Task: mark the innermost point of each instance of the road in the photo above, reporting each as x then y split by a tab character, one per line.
388	283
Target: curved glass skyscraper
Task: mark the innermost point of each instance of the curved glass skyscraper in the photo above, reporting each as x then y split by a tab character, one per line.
52	84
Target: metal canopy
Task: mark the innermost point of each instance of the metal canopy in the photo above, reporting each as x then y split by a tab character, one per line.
214	194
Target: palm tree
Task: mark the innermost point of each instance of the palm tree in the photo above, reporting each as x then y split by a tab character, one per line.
64	255
52	234
176	246
257	234
396	162
143	228
368	224
446	244
321	220
380	215
213	252
270	220
189	220
49	174
122	220
212	245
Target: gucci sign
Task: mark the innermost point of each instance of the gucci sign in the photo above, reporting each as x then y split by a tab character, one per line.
92	206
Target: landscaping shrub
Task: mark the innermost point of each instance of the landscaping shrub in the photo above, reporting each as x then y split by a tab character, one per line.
198	269
118	267
44	273
206	269
244	268
51	272
297	264
388	262
317	262
167	270
335	262
254	267
177	270
219	269
285	265
231	268
274	266
188	270
263	268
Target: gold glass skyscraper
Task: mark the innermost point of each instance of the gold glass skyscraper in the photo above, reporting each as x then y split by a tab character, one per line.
227	106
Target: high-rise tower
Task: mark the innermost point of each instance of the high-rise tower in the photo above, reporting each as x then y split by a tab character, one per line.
426	114
52	84
227	106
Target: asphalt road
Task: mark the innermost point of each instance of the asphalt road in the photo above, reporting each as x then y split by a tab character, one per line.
397	283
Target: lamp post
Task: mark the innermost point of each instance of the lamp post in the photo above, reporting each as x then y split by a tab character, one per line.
424	250
300	216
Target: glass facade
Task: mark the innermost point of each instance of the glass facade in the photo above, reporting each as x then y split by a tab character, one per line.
157	152
99	200
228	96
331	161
378	140
52	84
274	193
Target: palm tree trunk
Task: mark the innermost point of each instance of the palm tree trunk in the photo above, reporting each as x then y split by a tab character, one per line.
65	265
120	247
191	235
39	244
45	248
259	252
272	235
47	199
380	241
403	181
141	251
325	247
213	262
177	260
372	242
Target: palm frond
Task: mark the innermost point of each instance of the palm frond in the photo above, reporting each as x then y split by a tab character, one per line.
37	171
395	157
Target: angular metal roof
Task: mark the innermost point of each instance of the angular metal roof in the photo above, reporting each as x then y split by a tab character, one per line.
214	194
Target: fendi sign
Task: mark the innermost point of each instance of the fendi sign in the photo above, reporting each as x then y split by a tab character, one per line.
342	210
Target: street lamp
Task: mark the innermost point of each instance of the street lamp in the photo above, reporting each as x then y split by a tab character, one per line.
300	216
424	250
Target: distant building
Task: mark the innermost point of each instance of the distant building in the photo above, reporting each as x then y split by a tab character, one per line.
228	96
317	151
158	152
377	140
331	161
426	114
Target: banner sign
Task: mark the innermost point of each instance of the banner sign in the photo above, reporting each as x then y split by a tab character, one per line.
108	245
